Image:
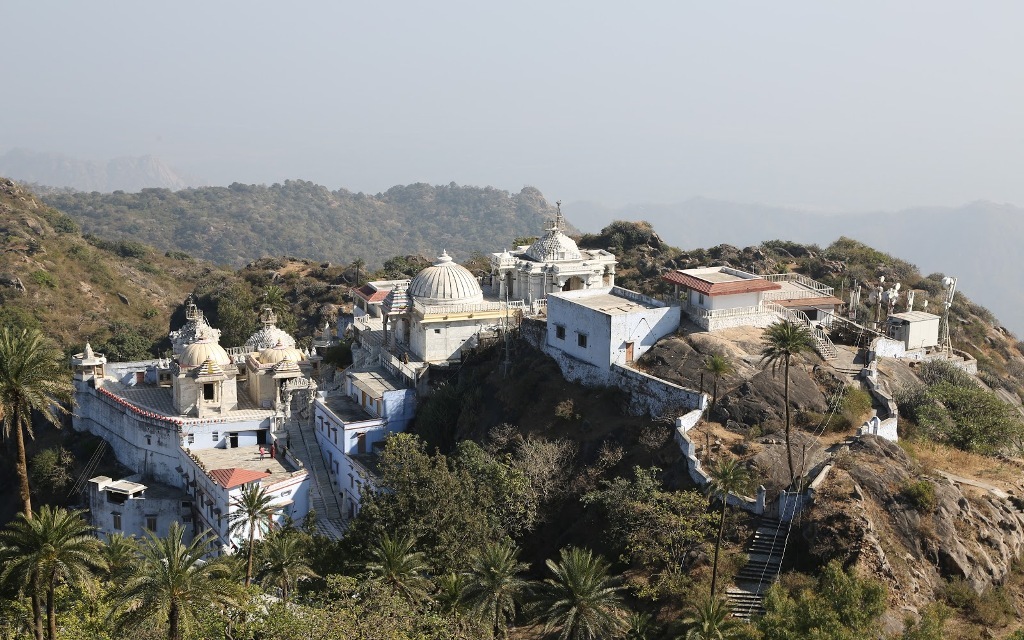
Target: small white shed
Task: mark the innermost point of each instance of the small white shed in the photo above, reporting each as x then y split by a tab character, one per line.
915	329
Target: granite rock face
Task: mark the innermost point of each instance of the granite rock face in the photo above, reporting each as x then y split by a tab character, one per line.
864	515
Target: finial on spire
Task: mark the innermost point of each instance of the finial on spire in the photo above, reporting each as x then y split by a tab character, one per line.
559	221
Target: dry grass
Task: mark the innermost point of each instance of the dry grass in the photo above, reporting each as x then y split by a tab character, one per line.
1005	474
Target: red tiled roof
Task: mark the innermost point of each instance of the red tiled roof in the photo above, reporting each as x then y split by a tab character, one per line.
368	293
823	301
231	478
720	288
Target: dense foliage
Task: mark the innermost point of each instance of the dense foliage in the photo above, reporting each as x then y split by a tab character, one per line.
239	223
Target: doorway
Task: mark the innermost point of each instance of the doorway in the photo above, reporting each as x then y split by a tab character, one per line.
261	436
629	352
233	440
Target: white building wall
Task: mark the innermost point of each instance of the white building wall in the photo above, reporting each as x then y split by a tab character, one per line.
443	340
578	320
135	513
337	440
642	328
735	301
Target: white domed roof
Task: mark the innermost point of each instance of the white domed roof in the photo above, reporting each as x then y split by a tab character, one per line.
446	282
202	350
554	246
279	352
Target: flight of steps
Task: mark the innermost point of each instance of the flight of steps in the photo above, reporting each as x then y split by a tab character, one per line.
822	342
322	497
764	552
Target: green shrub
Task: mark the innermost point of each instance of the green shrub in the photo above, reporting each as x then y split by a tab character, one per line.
566	410
60	222
44	279
936	372
921	494
179	255
958	594
856	403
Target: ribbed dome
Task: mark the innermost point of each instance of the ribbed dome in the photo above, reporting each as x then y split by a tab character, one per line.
446	282
279	352
199	352
554	246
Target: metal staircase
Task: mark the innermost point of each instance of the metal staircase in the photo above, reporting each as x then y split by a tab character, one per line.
765	551
823	343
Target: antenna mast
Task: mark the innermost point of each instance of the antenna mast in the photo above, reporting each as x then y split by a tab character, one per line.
949	284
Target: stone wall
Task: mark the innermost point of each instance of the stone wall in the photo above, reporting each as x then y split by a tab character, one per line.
654	396
683	424
751	320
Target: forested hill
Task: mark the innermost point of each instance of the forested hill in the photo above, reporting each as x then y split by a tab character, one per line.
236	224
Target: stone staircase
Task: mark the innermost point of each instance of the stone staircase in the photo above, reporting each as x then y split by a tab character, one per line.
765	551
823	343
322	497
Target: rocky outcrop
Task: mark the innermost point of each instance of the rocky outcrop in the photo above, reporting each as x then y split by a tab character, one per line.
752	395
867	514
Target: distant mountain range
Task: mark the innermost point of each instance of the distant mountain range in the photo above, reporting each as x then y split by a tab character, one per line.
119	174
977	242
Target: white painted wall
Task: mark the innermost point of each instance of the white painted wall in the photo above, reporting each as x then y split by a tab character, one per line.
443	340
135	512
734	301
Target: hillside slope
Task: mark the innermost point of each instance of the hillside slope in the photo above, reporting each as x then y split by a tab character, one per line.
236	224
78	288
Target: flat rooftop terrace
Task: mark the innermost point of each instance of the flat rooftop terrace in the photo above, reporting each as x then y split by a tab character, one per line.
346	409
376	380
161	400
609	304
247	458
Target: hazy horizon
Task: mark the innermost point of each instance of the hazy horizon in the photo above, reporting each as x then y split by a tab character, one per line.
866	107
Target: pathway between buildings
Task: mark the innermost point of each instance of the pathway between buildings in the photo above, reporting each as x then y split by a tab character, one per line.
322	497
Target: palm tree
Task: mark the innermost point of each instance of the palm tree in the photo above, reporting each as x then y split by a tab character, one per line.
495	588
582	601
727	477
274	298
451	593
783	340
717	366
358	263
173	583
120	555
32	380
284	562
53	548
711	622
400	568
254	511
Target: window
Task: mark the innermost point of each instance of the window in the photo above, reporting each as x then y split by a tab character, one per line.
151	523
581	340
186	505
191	438
117	521
437	331
700	298
216	436
207	391
560	332
149	440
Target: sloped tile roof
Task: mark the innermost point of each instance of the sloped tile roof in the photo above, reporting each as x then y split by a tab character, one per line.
370	294
720	288
231	478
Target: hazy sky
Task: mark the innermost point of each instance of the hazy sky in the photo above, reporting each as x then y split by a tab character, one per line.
862	106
